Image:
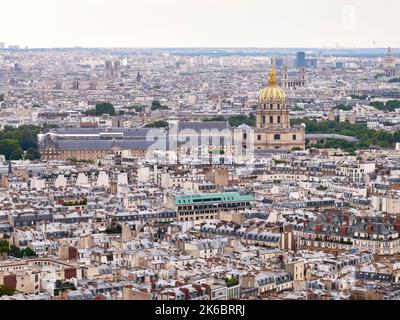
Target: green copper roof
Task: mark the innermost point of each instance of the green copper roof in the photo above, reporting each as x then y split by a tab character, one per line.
213	198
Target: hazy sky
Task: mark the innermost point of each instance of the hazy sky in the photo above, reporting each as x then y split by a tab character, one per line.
200	23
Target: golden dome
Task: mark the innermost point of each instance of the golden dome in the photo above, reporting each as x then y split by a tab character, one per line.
272	92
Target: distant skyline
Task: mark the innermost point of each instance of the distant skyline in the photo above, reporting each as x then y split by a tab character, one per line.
200	23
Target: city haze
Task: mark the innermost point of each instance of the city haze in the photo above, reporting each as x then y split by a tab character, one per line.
192	23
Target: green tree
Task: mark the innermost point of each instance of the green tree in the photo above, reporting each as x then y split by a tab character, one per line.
11	149
114	229
105	108
1	97
21	253
367	137
236	121
157	124
379	75
390	105
100	109
6	291
4	246
32	154
343	107
218	118
156	105
28	252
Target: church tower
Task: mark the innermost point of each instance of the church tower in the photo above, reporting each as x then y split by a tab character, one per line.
272	111
273	129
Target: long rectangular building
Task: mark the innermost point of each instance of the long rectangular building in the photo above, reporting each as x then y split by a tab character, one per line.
208	205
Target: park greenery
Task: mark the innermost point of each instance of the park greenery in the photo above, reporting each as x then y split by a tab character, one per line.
1	97
15	141
100	109
390	105
368	138
394	80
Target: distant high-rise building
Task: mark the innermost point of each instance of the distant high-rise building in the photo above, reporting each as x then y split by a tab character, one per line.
339	65
113	69
117	69
301	59
279	62
312	62
109	69
2	45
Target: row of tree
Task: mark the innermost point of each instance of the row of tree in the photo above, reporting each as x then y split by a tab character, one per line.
13	251
20	143
100	109
367	137
236	121
390	105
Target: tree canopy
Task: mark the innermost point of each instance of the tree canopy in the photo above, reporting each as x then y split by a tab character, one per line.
367	137
13	141
100	109
157	124
11	149
390	105
343	107
6	291
394	80
14	251
156	105
236	121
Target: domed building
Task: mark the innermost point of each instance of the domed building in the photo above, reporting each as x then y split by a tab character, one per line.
273	129
389	64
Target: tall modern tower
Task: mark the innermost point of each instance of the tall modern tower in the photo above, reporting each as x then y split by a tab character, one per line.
301	59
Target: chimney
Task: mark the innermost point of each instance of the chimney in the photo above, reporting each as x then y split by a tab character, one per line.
343	230
397	225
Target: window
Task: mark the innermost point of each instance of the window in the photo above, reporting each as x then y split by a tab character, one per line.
277	137
271	119
294	137
278	106
259	137
279	119
244	136
271	106
263	119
